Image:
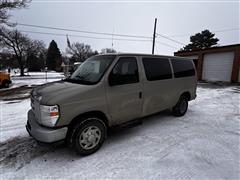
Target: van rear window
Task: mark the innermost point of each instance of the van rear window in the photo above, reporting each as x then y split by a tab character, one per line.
157	68
182	68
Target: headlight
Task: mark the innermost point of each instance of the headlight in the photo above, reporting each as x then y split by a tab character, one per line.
49	115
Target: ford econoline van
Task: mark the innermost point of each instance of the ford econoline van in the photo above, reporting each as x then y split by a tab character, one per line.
108	90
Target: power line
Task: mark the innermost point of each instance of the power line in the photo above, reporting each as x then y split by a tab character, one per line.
173	40
91	37
165	44
81	31
225	30
119	35
216	31
144	38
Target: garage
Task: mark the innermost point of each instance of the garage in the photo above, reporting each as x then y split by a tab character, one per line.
218	66
218	63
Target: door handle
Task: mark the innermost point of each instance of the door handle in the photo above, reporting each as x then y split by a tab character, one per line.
140	95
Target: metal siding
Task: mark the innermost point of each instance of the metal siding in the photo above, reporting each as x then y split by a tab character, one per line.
218	66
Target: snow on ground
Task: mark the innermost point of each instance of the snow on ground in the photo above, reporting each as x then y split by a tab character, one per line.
21	86
34	78
204	144
13	118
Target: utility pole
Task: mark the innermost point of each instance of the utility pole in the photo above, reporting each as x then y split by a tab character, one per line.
154	35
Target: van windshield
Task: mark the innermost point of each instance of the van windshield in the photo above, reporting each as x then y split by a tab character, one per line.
92	70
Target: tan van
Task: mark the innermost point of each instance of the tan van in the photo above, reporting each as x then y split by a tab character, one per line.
108	90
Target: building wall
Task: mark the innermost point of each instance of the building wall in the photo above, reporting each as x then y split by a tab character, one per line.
239	75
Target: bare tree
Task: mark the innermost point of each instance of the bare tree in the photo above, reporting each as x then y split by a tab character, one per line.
36	51
79	51
6	5
16	43
36	48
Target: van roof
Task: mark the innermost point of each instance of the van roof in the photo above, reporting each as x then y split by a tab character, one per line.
142	54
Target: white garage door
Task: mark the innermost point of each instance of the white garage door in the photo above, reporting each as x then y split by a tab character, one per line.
218	66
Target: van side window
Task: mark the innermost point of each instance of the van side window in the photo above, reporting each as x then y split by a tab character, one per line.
124	72
182	68
157	68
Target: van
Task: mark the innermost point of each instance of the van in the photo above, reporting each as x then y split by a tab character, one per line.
5	79
109	90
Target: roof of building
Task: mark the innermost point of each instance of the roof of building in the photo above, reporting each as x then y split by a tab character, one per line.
215	48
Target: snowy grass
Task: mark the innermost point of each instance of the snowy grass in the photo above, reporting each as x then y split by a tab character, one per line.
34	78
204	144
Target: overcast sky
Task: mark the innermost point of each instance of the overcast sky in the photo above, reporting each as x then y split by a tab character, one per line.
177	19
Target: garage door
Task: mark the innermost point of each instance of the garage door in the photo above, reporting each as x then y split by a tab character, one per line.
218	66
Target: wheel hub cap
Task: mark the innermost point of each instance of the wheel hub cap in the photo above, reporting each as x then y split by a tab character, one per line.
90	137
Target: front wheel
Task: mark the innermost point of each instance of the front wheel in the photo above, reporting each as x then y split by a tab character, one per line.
89	136
181	107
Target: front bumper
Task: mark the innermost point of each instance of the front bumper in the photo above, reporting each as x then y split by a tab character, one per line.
44	134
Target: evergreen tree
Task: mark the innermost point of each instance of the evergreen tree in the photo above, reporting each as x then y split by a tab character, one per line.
53	56
202	40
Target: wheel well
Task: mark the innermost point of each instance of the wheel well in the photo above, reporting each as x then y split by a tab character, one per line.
98	114
187	94
77	119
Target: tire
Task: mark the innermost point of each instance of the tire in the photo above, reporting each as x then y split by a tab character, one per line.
181	107
88	136
5	84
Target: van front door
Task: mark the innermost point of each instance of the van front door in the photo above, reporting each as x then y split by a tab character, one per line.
124	94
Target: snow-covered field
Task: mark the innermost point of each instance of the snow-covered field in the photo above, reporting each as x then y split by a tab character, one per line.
34	78
21	86
204	144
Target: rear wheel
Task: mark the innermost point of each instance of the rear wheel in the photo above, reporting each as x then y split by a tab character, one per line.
89	136
181	107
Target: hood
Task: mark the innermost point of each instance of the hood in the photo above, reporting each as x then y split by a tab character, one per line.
58	92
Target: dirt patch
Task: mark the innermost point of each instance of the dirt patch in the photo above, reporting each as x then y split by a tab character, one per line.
18	93
20	151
